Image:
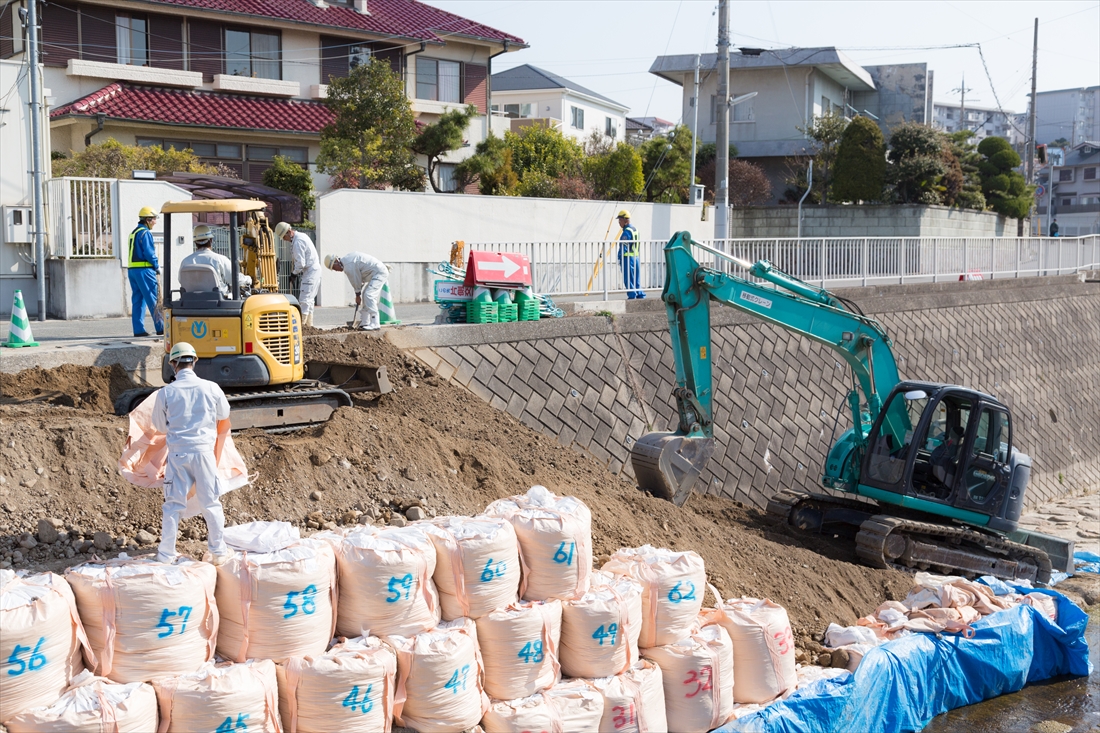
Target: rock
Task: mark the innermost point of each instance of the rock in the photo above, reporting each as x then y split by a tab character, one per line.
351	516
28	483
63	537
27	542
345	464
819	637
329	526
145	538
102	540
17	557
825	659
840	659
85	546
40	470
47	531
318	517
320	457
799	656
366	519
315	495
398	521
313	525
409	472
415	513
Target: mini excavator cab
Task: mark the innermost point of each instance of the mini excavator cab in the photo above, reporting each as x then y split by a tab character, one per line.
955	449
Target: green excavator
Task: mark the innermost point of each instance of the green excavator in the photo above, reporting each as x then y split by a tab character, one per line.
939	484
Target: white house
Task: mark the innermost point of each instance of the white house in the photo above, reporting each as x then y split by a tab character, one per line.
527	92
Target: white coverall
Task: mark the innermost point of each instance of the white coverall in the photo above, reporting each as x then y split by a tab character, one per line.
223	268
367	276
188	411
309	267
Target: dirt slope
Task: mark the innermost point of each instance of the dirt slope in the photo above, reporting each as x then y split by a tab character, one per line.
429	443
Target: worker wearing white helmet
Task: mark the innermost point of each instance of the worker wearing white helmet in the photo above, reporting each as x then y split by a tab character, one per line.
367	275
304	256
203	237
189	412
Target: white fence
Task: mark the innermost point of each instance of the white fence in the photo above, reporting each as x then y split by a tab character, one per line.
81	216
592	268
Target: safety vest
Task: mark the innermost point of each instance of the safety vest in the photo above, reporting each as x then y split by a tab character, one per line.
133	236
629	238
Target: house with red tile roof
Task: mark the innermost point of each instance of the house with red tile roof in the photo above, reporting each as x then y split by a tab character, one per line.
241	81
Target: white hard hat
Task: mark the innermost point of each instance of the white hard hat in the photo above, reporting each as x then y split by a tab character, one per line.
202	233
184	352
281	229
330	260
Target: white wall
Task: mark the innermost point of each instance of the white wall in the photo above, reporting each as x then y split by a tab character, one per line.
414	230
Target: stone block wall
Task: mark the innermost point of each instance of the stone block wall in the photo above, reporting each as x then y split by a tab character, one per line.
597	384
868	221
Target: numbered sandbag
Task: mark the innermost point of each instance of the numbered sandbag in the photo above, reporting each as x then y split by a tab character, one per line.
564	708
223	698
634	701
673	583
698	678
147	619
41	638
555	542
349	688
93	705
763	648
439	678
386	586
599	630
519	647
477	564
277	604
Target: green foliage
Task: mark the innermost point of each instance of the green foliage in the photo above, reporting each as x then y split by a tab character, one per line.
748	183
543	150
1059	143
490	167
860	169
962	159
369	143
502	180
441	137
286	175
1004	188
708	153
826	131
615	175
666	165
112	159
916	152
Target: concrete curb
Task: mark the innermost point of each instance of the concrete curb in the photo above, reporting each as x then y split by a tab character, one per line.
141	358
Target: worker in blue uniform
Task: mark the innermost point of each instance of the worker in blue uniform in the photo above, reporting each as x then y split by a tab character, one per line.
628	256
143	268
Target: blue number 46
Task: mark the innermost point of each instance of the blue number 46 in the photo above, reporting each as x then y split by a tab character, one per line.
353	701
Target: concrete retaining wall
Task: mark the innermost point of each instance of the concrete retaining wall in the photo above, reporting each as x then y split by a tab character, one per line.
869	221
596	384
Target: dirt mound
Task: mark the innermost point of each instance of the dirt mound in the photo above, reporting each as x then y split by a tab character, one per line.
429	444
85	388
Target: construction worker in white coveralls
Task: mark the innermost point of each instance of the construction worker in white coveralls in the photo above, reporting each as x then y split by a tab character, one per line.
306	264
628	256
188	411
203	236
367	275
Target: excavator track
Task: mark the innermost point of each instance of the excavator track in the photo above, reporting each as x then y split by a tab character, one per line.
305	404
884	541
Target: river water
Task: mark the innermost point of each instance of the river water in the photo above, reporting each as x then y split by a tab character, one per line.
1058	705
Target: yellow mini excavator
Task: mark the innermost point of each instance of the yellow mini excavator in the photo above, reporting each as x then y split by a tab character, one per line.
251	344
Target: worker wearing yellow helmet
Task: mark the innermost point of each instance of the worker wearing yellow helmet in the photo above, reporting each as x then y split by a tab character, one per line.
306	266
628	256
191	412
142	273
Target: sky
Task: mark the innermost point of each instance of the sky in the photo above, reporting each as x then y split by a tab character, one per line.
608	45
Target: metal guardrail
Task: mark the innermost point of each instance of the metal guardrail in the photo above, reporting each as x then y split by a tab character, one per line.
81	217
592	267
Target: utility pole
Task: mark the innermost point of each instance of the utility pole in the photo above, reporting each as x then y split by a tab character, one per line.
963	125
722	165
1031	113
694	129
36	155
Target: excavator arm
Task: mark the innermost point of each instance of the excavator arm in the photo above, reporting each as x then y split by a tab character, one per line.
667	464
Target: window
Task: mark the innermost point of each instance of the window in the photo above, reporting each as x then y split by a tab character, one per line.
251	53
358	55
1065	201
446	173
247	161
1090	174
950	114
1066	174
577	120
516	111
132	39
743	111
610	128
439	81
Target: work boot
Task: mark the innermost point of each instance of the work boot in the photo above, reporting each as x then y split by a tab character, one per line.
217	560
166	558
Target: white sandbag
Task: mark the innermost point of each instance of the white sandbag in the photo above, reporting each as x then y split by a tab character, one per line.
386	587
698	678
221	697
477	564
277	604
763	648
674	583
555	542
41	638
439	678
261	536
93	705
145	618
349	688
599	630
565	708
519	647
634	702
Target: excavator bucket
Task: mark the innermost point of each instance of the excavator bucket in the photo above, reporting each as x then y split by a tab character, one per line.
667	464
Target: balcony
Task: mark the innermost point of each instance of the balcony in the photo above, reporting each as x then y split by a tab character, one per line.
251	85
139	74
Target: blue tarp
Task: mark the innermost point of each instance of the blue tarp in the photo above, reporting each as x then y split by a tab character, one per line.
1087	562
903	684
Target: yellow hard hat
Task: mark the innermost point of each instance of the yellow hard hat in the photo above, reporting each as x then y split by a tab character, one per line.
202	232
330	260
624	214
184	352
281	229
147	212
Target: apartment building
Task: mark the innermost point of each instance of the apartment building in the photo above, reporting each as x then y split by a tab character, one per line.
1074	197
982	121
1072	115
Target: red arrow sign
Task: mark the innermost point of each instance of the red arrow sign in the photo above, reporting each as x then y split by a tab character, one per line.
498	270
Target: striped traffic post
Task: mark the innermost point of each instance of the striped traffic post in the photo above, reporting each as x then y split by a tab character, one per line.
387	314
19	334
